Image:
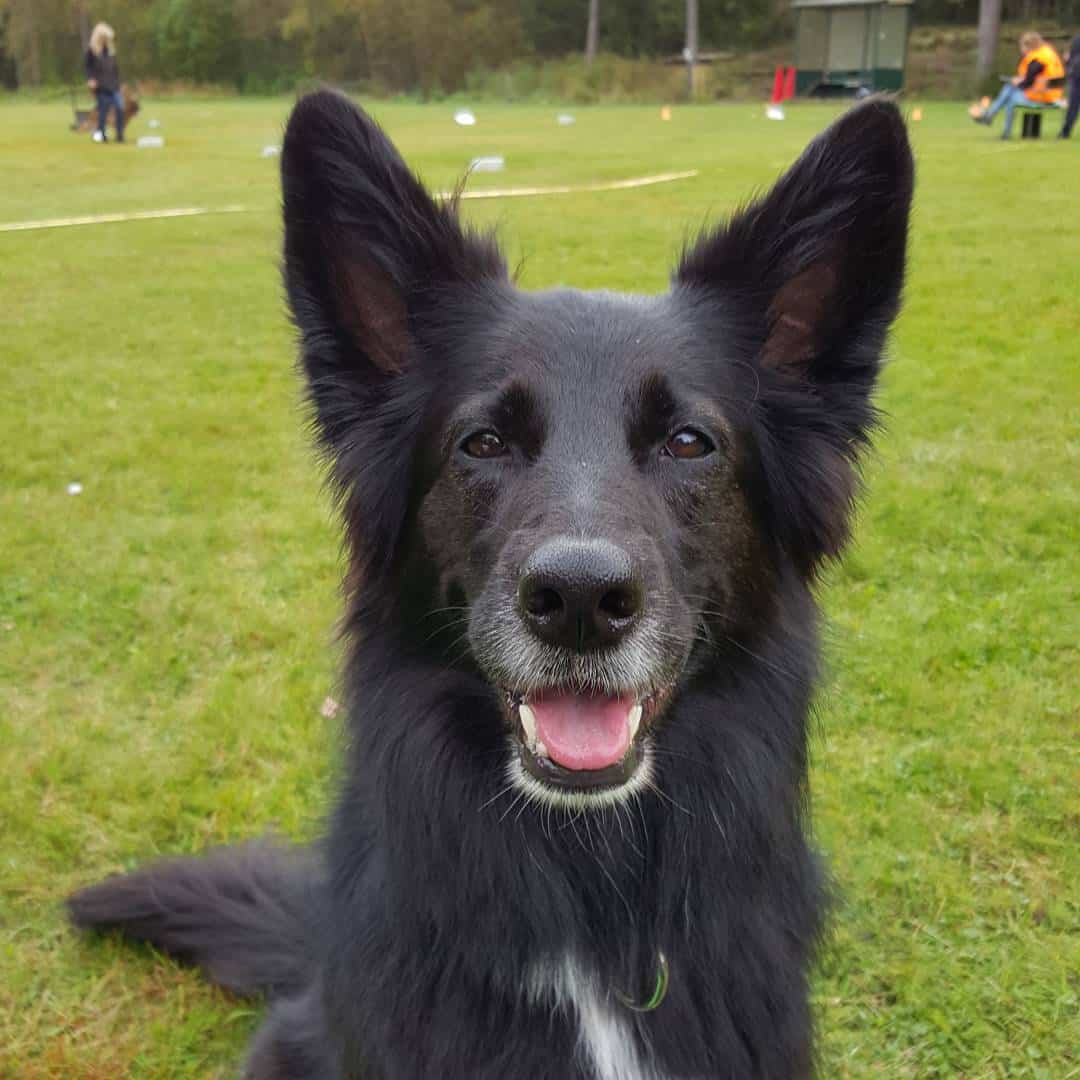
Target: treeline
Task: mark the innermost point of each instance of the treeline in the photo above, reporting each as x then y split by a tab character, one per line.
389	46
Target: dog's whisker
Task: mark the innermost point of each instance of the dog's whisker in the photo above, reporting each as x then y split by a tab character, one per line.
498	795
770	664
522	794
655	788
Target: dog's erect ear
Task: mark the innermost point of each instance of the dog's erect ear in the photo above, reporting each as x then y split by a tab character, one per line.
820	258
368	256
814	272
366	248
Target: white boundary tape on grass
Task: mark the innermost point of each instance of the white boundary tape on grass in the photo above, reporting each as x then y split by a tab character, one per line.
572	189
482	193
105	219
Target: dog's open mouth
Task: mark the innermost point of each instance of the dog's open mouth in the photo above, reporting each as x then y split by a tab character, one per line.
575	740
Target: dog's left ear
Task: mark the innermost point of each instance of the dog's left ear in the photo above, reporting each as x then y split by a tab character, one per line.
821	257
813	273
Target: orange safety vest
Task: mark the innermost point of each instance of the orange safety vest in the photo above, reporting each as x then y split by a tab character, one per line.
1053	68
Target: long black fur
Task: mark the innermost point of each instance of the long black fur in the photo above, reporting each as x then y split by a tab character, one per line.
413	943
244	914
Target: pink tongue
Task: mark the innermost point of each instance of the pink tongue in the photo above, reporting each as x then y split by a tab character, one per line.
583	732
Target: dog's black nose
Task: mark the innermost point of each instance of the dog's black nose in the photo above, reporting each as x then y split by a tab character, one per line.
580	594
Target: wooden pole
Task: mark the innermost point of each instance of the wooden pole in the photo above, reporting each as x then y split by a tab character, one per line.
989	29
691	50
593	32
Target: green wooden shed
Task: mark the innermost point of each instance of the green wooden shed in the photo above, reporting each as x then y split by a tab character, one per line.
850	46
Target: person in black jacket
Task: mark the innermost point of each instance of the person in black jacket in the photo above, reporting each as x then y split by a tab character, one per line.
1072	73
103	77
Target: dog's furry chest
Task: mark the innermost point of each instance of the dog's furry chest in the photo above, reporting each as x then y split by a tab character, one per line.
607	1045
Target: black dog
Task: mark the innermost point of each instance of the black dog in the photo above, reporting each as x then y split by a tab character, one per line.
584	531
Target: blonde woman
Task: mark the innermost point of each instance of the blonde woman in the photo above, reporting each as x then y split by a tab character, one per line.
103	77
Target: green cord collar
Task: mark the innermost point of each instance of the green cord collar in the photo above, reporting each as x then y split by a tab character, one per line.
659	990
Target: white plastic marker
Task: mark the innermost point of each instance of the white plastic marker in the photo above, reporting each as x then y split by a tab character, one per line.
483	193
492	163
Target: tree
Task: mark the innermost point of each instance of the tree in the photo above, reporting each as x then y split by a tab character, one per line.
691	43
592	32
989	28
84	22
42	38
198	40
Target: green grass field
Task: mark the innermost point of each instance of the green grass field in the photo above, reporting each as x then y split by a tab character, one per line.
167	636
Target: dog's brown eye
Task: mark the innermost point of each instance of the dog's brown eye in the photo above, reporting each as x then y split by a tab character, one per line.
688	443
484	444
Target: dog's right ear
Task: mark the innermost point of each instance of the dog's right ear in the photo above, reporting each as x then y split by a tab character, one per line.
367	250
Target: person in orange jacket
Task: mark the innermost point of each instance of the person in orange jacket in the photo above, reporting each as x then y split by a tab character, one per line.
1037	82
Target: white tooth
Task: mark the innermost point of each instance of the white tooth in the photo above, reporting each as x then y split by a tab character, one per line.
635	721
540	750
528	725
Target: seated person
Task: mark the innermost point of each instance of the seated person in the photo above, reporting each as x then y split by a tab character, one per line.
1072	71
1037	82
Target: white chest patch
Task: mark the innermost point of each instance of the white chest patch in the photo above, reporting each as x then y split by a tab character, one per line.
605	1037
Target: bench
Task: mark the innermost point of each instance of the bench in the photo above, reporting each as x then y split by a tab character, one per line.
1031	115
